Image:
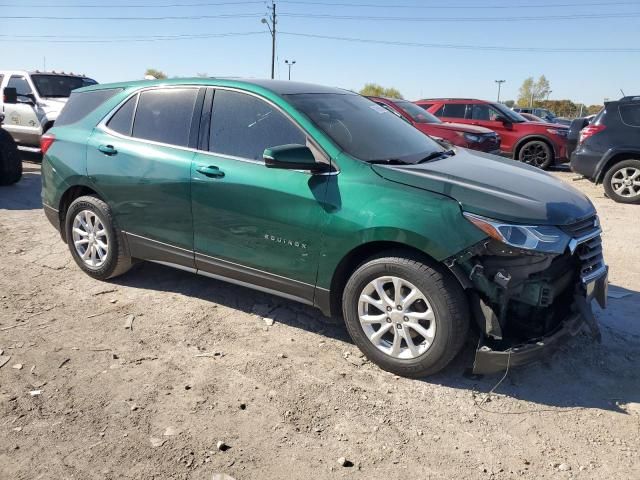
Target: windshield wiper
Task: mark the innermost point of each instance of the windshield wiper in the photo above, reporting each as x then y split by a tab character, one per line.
388	161
434	155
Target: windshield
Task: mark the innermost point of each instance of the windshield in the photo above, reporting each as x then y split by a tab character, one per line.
59	86
510	114
418	114
364	129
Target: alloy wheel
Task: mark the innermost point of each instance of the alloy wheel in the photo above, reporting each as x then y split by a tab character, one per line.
396	317
535	154
90	239
626	182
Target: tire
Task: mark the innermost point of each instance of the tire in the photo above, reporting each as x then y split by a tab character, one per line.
623	174
443	296
537	154
89	210
10	162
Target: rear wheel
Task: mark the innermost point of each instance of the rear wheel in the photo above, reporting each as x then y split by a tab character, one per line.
622	182
95	243
405	316
536	153
10	162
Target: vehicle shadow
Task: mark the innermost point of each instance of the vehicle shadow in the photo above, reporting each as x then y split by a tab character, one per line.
581	374
25	194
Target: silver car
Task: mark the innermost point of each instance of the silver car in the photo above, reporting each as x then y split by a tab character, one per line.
39	99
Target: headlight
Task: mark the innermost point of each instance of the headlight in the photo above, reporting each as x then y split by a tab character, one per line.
561	132
470	137
541	238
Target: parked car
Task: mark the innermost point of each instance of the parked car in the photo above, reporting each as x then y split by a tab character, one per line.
608	150
468	136
538	144
544	113
36	103
10	163
574	133
321	196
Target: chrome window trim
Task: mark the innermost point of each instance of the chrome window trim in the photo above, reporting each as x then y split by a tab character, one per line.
102	125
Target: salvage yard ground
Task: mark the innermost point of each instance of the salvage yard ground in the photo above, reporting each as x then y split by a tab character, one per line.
143	376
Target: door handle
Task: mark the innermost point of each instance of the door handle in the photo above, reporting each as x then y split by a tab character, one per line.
210	171
107	149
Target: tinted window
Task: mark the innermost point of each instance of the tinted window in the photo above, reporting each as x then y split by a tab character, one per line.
81	104
419	115
364	129
122	121
483	112
59	86
426	106
165	115
243	126
455	110
20	84
630	114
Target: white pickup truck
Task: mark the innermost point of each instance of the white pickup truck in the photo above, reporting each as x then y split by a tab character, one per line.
33	107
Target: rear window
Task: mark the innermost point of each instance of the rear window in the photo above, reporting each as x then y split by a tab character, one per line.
81	104
122	120
164	115
630	114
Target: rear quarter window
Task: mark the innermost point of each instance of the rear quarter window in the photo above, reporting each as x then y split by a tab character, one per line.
630	114
81	104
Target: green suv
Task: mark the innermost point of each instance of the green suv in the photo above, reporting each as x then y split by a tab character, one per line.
322	196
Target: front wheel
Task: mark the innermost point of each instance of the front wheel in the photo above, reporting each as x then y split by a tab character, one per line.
406	317
537	154
10	162
622	182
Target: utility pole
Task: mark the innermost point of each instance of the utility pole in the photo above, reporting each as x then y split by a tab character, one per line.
290	64
499	82
531	99
271	25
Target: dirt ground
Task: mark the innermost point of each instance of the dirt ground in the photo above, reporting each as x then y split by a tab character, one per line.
83	396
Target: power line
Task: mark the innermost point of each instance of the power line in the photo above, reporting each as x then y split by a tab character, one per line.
596	16
466	7
123	39
138	5
467	47
168	17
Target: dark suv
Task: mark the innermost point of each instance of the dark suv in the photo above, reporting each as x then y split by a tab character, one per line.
537	143
608	151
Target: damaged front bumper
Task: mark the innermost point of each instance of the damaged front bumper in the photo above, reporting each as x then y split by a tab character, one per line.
489	360
526	303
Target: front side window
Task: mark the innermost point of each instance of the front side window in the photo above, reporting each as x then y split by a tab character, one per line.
21	85
243	126
81	104
484	112
164	115
59	86
364	129
507	113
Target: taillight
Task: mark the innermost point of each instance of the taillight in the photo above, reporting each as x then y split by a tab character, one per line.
46	141
590	131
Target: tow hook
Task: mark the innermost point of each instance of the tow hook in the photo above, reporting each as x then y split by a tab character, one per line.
585	311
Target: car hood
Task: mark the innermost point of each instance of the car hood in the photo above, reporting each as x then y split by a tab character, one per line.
461	127
496	188
558	126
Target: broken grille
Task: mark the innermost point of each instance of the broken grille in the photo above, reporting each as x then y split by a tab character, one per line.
588	247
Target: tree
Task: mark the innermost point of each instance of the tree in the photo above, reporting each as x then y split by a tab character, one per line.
533	91
375	90
157	74
593	109
509	103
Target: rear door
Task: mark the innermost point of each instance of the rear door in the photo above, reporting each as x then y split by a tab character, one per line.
254	224
139	160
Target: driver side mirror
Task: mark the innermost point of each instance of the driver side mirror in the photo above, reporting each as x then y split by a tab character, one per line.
292	157
10	95
503	119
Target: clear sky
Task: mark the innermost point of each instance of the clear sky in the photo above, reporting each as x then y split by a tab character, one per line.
111	50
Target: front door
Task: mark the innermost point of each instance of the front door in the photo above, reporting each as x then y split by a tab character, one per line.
254	224
20	118
486	116
140	162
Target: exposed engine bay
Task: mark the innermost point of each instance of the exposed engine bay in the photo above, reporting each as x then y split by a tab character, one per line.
524	302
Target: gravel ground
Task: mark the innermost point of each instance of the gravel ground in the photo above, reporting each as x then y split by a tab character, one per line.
143	376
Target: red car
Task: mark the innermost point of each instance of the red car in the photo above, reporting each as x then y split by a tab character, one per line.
468	136
539	144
